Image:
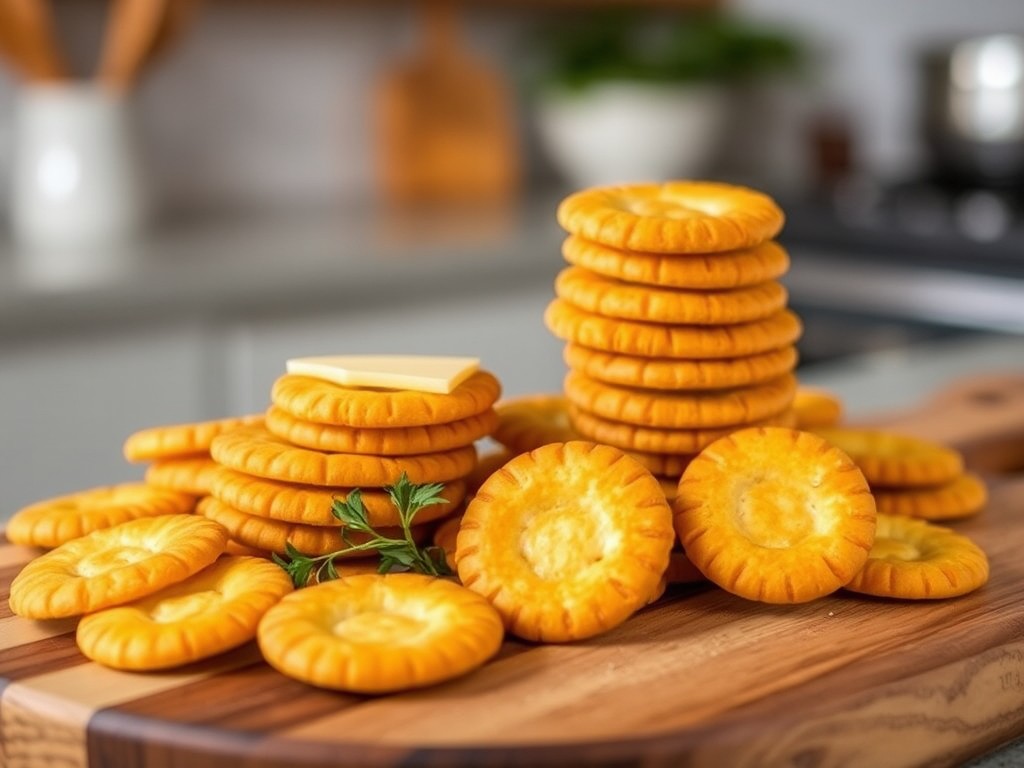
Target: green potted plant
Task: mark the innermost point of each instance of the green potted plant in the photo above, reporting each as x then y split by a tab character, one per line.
629	96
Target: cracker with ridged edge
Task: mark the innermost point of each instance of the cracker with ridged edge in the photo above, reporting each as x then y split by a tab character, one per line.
445	536
672	217
895	460
614	298
311	505
376	633
816	408
668	373
255	451
667	466
327	403
272	535
964	496
775	515
715	271
174	440
531	421
208	613
116	565
688	410
397	441
916	560
55	521
236	548
188	474
694	342
566	541
489	463
631	437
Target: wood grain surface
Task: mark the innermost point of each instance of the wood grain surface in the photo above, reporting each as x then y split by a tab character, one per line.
701	678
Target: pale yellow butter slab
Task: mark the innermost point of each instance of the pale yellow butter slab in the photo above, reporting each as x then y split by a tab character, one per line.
422	373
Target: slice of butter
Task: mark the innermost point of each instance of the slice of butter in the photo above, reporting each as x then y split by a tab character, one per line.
423	373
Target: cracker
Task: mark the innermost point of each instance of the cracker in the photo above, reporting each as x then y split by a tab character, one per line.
380	633
255	451
176	440
566	541
614	298
667	466
775	515
894	460
965	496
717	271
326	403
673	217
211	612
816	408
272	535
631	437
398	441
310	505
188	474
531	421
55	521
716	408
630	337
116	565
916	560
241	550
669	373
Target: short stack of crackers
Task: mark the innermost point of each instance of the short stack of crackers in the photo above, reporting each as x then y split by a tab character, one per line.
278	481
678	331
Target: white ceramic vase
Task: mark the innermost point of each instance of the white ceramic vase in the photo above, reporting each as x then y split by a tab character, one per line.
622	131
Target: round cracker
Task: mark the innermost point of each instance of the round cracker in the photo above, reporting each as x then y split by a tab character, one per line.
310	505
630	337
566	541
530	421
446	536
327	403
676	374
178	440
893	460
775	515
717	271
915	560
255	451
672	217
272	535
376	633
666	466
398	441
188	474
613	298
631	437
55	521
965	496
210	612
116	565
715	408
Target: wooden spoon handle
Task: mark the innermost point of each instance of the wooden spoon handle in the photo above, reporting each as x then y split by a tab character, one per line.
132	29
29	42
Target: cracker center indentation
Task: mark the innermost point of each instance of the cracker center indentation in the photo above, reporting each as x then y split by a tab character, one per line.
379	627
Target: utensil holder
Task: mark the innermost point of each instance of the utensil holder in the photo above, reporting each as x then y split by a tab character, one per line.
76	177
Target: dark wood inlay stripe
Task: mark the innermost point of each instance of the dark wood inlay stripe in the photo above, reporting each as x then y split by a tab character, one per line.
40	657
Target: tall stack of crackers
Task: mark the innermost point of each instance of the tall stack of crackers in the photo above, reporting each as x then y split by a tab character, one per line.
676	326
279	481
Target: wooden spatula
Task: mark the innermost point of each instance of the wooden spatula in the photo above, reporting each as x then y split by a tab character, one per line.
445	122
133	28
28	41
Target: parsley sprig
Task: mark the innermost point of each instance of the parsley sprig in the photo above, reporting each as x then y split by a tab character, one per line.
395	554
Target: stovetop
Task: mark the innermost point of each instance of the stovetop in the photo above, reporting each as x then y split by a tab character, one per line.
928	222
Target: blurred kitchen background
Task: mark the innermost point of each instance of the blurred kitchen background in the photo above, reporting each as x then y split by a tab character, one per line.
196	191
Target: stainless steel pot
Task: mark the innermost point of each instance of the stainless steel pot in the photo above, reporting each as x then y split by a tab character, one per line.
973	108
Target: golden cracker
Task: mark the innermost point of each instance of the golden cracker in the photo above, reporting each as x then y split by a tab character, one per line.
188	474
775	515
176	440
672	217
892	460
254	451
530	421
964	496
630	337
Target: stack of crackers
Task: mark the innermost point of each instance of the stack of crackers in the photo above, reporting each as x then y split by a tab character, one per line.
677	329
278	481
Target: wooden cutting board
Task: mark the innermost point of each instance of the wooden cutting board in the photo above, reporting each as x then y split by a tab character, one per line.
701	678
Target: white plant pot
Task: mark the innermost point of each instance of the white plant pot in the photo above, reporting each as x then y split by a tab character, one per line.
621	132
